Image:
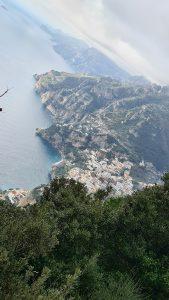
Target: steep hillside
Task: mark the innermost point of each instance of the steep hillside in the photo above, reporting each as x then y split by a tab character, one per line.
111	133
82	58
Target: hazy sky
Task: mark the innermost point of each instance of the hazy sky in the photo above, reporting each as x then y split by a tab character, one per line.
135	33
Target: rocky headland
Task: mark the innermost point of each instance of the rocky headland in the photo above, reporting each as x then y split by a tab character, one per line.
110	133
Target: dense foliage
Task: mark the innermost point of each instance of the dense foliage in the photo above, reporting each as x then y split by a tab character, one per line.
71	245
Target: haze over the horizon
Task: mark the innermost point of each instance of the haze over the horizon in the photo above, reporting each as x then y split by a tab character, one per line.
133	33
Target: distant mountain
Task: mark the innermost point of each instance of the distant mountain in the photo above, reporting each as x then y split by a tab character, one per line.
3	7
109	132
82	58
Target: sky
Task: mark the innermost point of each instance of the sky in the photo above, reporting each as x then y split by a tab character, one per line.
133	33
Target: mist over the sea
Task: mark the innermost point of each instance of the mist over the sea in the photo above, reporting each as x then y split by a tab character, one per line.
133	33
24	50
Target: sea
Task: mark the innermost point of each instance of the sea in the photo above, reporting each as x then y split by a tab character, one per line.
25	49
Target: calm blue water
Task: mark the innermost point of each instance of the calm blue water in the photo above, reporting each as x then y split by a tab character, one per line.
24	50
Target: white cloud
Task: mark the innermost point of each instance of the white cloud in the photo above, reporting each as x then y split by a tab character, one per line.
135	33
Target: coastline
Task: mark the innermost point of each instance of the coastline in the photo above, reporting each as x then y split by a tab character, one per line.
92	151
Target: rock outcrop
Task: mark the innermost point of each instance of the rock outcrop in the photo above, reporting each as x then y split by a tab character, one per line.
110	120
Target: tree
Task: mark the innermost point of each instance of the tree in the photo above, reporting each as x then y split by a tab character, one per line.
71	245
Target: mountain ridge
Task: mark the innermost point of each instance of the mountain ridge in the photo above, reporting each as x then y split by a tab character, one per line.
83	58
106	122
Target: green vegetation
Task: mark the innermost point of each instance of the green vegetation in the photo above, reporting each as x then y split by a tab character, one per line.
71	245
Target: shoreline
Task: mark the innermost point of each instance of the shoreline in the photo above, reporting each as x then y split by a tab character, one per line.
94	153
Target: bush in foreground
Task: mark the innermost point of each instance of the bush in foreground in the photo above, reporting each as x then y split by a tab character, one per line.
71	245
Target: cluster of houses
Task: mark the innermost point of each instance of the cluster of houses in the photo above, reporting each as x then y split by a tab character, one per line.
18	197
103	173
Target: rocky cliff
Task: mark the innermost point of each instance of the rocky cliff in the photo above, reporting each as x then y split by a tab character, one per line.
111	132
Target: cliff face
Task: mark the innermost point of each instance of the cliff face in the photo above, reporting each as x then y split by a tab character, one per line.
106	121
